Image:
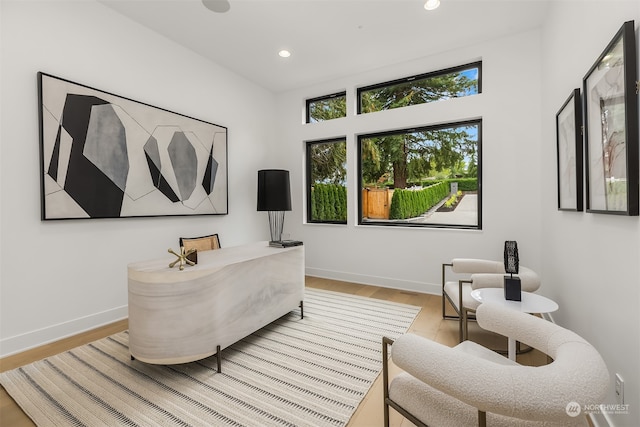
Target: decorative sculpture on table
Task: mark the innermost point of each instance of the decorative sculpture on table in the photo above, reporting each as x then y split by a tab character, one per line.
182	258
512	286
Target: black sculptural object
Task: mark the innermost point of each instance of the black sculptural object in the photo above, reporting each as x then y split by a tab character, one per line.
511	259
512	286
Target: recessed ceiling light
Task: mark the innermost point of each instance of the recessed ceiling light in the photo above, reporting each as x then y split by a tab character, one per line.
432	4
218	6
284	53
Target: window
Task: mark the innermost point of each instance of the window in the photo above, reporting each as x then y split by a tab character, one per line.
326	181
327	107
455	82
427	176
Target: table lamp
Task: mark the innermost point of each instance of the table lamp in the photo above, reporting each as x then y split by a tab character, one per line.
274	196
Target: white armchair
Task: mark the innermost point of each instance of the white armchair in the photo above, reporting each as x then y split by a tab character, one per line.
469	385
478	273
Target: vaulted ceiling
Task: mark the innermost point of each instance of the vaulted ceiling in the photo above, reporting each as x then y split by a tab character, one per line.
328	39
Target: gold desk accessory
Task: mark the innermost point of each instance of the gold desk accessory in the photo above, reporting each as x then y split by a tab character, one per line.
182	258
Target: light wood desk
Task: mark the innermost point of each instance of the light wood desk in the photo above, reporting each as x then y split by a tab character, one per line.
181	316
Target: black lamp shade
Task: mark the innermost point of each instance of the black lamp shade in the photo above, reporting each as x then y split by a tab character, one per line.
274	192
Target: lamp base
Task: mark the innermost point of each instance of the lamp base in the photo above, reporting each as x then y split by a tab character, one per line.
276	223
512	288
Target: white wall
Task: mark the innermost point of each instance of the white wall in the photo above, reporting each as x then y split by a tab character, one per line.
411	258
61	277
591	261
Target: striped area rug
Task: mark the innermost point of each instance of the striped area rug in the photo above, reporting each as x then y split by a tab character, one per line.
294	372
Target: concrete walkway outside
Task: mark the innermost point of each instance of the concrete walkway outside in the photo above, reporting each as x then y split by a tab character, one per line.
465	214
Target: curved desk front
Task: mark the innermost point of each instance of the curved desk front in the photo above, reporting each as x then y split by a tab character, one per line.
181	316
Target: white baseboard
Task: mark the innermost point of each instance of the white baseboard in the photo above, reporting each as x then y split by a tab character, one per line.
384	282
29	340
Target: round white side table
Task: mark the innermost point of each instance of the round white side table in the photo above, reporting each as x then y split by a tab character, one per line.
531	303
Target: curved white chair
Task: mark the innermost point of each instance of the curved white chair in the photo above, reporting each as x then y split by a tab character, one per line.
479	273
469	385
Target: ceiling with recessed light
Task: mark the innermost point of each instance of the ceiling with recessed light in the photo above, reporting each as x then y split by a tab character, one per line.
327	39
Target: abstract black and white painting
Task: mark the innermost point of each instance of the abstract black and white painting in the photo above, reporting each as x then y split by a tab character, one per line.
106	156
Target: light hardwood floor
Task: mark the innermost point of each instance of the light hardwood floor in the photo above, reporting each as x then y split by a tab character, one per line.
429	324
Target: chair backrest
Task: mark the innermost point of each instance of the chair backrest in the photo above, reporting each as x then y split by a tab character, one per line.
204	243
577	374
490	274
577	377
472	265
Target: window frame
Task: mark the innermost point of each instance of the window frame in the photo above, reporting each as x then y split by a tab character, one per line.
471	65
308	184
390	223
309	101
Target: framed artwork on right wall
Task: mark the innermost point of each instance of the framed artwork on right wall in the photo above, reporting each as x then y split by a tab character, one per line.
611	127
569	152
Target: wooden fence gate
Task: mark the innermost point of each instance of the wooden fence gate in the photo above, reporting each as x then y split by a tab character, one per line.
376	203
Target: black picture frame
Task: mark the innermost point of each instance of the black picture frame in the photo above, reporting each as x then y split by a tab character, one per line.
569	154
106	156
610	111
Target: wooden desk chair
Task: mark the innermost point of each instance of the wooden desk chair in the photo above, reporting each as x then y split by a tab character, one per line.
204	243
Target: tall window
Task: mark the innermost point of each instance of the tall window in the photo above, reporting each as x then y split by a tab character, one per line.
427	176
327	107
326	181
455	82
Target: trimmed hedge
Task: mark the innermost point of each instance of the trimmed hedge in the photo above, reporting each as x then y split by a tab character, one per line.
328	202
412	203
464	184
